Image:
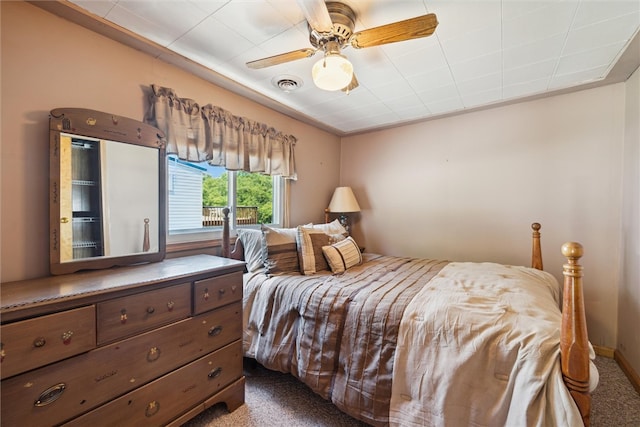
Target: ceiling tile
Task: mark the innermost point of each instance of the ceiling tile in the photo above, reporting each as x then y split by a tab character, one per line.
211	40
476	67
525	88
259	20
439	94
100	8
604	33
534	52
162	22
431	79
591	12
593	58
540	23
541	70
445	106
480	84
561	81
457	18
403	102
421	60
392	89
473	44
475	99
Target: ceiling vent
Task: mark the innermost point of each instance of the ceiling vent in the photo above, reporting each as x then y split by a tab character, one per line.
287	83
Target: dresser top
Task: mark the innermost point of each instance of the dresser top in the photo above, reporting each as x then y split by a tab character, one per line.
38	296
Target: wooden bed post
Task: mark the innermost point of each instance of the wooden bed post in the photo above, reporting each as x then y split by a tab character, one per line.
574	343
536	250
225	234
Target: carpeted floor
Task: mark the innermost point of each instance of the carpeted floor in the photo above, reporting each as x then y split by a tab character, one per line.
275	399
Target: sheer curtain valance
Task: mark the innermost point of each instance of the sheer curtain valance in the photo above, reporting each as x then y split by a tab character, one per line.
212	134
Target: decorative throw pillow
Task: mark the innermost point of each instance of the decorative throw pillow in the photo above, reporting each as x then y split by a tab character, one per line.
333	227
252	242
280	254
310	242
342	255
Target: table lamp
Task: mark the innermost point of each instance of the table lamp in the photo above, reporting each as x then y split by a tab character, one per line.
344	202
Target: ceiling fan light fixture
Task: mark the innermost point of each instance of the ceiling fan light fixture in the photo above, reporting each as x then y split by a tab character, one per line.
333	72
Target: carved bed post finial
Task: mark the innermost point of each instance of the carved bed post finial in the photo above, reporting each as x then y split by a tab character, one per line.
574	341
536	251
145	239
225	233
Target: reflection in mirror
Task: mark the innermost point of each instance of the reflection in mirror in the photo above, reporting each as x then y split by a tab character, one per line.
107	195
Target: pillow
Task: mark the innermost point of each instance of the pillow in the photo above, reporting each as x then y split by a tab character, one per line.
342	255
310	242
252	241
333	227
280	254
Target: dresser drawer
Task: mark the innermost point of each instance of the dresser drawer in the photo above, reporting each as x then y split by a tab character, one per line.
123	317
162	400
216	292
91	379
31	343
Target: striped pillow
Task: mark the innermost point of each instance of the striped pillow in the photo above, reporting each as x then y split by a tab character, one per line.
310	241
280	250
342	255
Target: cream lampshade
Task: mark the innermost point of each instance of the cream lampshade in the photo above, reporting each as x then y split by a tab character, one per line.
344	202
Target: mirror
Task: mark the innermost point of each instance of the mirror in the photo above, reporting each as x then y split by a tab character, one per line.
107	191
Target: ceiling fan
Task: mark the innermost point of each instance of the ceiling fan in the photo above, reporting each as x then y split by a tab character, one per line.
331	29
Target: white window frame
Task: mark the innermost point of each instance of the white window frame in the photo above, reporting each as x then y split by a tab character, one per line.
214	233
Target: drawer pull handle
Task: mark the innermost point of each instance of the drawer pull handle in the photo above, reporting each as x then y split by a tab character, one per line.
39	342
206	294
221	291
150	310
214	373
215	331
2	352
170	305
153	354
66	337
123	316
152	408
50	395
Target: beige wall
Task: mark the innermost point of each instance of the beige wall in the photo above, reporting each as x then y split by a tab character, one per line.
49	63
629	293
468	187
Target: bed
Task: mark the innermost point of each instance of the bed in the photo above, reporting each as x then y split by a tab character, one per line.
408	341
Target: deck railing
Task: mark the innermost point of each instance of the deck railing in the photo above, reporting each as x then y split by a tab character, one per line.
212	216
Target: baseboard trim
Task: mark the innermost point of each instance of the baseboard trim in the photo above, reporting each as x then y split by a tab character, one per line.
628	370
604	351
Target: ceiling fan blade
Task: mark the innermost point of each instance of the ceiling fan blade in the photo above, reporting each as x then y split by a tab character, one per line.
420	26
351	86
281	58
317	15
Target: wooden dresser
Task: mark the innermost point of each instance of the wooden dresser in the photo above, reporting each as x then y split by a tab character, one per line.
151	344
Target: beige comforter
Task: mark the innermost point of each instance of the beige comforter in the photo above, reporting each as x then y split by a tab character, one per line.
338	335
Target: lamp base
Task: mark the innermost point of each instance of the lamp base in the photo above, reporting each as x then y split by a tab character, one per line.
344	221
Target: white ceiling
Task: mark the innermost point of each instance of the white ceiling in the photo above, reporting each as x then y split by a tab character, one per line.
483	52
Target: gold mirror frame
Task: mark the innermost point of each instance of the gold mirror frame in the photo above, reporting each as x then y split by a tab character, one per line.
111	137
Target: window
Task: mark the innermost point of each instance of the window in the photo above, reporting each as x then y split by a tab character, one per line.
197	193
